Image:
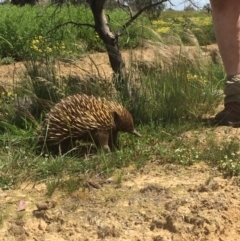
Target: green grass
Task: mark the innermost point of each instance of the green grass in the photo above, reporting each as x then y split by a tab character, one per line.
19	163
6	61
180	92
33	31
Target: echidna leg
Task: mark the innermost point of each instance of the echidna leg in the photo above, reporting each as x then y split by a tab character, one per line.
106	148
113	140
59	149
101	139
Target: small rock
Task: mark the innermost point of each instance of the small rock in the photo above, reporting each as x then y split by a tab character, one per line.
45	205
107	231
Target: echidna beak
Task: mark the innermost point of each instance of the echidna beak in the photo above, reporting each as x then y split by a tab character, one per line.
134	132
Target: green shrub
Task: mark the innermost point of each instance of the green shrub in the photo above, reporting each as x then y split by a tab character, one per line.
38	30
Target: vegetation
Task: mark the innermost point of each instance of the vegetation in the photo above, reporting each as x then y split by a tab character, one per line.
24	31
166	102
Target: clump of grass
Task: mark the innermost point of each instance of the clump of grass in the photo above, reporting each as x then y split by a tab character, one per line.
89	85
51	187
42	85
6	60
181	92
224	155
72	184
2	217
7	99
41	79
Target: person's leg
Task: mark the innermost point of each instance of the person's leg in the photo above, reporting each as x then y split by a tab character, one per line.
226	21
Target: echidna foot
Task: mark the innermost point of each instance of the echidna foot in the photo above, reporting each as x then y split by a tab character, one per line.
106	148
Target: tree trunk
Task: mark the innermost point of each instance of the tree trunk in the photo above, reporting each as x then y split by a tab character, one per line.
110	40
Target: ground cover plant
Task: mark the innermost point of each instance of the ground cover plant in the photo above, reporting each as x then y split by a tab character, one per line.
166	101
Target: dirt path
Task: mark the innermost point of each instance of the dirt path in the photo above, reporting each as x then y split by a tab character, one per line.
157	202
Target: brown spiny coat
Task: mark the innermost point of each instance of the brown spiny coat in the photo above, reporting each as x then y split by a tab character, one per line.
85	118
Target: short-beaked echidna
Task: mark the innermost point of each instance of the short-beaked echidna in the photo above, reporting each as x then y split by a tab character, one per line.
88	119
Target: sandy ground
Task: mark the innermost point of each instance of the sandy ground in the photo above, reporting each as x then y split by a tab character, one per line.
97	64
157	202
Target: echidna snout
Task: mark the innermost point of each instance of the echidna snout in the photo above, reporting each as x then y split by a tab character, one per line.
124	122
81	118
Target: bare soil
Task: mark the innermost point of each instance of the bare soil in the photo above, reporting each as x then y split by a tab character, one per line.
97	64
157	202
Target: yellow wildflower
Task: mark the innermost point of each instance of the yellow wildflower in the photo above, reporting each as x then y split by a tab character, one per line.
163	30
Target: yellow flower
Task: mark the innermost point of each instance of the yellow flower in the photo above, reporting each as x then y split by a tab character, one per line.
191	77
35	41
9	93
202	21
49	49
163	30
159	22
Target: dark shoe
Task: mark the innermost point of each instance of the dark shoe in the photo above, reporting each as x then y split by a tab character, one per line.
229	116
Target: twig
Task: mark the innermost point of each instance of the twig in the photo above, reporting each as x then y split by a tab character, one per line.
126	8
133	18
194	4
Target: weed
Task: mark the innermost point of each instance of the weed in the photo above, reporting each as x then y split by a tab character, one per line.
20	215
119	176
2	217
51	187
71	185
225	155
186	156
6	182
208	180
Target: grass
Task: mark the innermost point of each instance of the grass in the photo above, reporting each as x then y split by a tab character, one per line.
25	33
160	144
166	102
6	61
182	91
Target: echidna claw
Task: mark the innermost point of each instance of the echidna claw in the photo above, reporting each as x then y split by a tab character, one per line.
136	133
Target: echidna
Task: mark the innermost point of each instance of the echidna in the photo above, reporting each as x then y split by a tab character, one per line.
88	119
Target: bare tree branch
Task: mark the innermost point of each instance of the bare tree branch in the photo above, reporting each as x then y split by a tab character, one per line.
197	7
133	18
125	7
193	3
